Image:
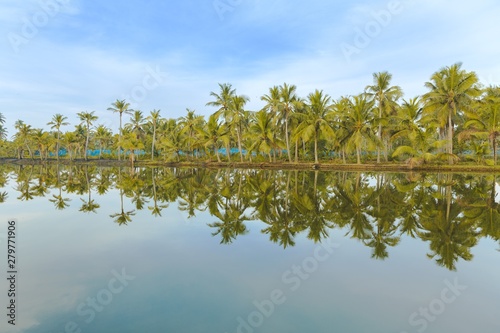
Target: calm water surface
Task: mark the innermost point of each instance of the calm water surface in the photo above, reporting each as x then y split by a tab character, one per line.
192	250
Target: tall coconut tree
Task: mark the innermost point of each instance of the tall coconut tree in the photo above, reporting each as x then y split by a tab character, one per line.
385	97
57	121
223	101
451	92
238	109
288	101
316	122
189	125
153	119
120	107
87	119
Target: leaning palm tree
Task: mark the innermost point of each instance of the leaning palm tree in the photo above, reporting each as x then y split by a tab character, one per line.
87	119
121	107
451	92
57	121
386	97
315	123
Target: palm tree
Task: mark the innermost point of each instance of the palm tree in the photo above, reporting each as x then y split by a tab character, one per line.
316	121
153	119
357	125
3	132
452	91
103	136
57	121
42	141
87	119
213	134
386	97
261	134
237	107
189	125
121	107
223	101
288	101
485	122
24	136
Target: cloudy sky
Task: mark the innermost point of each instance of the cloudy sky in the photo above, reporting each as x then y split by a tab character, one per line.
67	56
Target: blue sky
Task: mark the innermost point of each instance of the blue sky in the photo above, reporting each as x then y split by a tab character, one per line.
67	56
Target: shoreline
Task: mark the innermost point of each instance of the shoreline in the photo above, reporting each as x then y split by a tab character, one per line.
372	167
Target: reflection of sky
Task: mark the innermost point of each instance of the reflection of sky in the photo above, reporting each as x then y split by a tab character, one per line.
187	282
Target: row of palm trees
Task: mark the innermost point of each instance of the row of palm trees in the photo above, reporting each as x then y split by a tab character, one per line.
451	213
456	119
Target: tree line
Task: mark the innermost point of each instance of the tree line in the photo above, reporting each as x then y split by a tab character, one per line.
457	119
449	212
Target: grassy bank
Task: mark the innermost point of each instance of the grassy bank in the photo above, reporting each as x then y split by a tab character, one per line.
331	166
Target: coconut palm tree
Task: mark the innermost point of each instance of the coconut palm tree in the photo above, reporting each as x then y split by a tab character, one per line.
357	124
87	119
103	135
153	119
223	102
121	107
24	137
316	122
287	105
214	134
189	125
261	134
484	120
451	92
3	131
237	106
57	121
385	97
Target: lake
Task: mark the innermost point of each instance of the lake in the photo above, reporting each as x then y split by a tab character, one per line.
101	249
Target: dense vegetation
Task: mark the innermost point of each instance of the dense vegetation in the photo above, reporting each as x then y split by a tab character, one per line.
450	212
457	119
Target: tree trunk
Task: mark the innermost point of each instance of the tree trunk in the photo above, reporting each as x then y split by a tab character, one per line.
316	149
287	139
153	144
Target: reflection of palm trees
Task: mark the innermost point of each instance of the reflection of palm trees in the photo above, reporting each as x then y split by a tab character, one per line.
156	208
90	205
352	205
3	197
482	208
122	217
451	236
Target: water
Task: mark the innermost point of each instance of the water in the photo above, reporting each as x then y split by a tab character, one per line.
194	250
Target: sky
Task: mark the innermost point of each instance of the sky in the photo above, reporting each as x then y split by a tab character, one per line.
68	56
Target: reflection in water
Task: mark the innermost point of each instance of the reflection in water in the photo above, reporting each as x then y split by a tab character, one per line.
449	212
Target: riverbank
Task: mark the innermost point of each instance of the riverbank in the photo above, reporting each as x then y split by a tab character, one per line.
327	166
